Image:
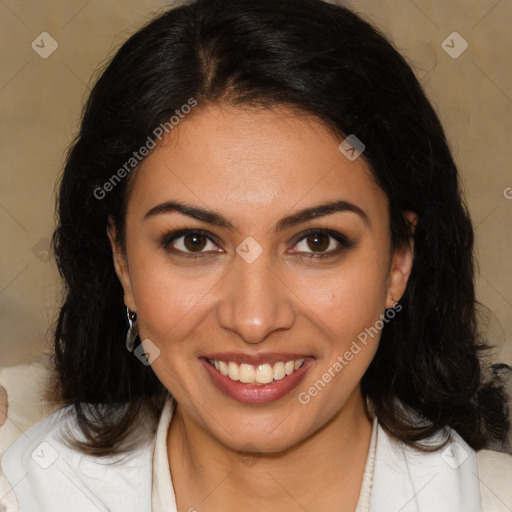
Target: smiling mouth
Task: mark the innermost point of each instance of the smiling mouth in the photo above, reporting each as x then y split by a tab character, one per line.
259	375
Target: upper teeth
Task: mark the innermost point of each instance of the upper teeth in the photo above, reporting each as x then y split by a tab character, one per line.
260	374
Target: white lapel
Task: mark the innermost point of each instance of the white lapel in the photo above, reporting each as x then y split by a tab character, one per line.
48	476
406	480
162	495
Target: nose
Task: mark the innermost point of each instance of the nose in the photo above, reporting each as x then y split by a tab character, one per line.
255	301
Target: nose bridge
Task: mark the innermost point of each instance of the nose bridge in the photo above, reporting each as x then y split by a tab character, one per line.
255	301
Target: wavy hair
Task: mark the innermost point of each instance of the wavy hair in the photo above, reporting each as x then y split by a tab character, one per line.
317	58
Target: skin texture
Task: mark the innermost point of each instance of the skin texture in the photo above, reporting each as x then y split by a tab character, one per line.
254	167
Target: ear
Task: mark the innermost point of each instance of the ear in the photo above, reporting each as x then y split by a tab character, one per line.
401	264
120	264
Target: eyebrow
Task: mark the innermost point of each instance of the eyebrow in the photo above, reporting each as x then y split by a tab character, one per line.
216	219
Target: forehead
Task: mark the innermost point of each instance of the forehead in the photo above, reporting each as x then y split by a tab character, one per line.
250	161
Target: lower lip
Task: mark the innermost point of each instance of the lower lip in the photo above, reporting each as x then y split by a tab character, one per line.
253	394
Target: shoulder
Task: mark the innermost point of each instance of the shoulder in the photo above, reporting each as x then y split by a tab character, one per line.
458	477
48	475
495	474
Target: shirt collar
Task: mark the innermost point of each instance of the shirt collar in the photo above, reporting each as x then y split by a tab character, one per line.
162	495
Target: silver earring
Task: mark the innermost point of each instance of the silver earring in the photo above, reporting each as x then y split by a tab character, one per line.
133	333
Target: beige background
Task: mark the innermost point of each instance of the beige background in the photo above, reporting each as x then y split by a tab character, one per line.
41	99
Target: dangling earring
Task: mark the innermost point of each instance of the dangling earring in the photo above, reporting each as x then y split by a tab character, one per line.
133	333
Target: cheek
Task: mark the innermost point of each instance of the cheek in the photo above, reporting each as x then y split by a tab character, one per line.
349	299
347	308
170	301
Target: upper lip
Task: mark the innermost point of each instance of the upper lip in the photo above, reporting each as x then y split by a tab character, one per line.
255	359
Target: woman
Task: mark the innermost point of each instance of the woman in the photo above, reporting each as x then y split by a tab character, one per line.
263	239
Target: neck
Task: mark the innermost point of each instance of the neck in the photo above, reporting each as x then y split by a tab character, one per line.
330	463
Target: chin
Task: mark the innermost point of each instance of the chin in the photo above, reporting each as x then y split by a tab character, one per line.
272	435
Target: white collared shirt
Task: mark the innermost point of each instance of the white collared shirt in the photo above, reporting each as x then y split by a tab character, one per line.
42	474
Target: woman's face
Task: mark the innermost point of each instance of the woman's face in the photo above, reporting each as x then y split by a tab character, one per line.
248	287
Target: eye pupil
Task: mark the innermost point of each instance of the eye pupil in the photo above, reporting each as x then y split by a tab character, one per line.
197	242
320	245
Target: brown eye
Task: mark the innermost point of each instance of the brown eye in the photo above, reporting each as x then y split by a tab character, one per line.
322	243
318	242
189	243
194	242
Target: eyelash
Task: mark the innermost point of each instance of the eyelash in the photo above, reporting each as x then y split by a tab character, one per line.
344	242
